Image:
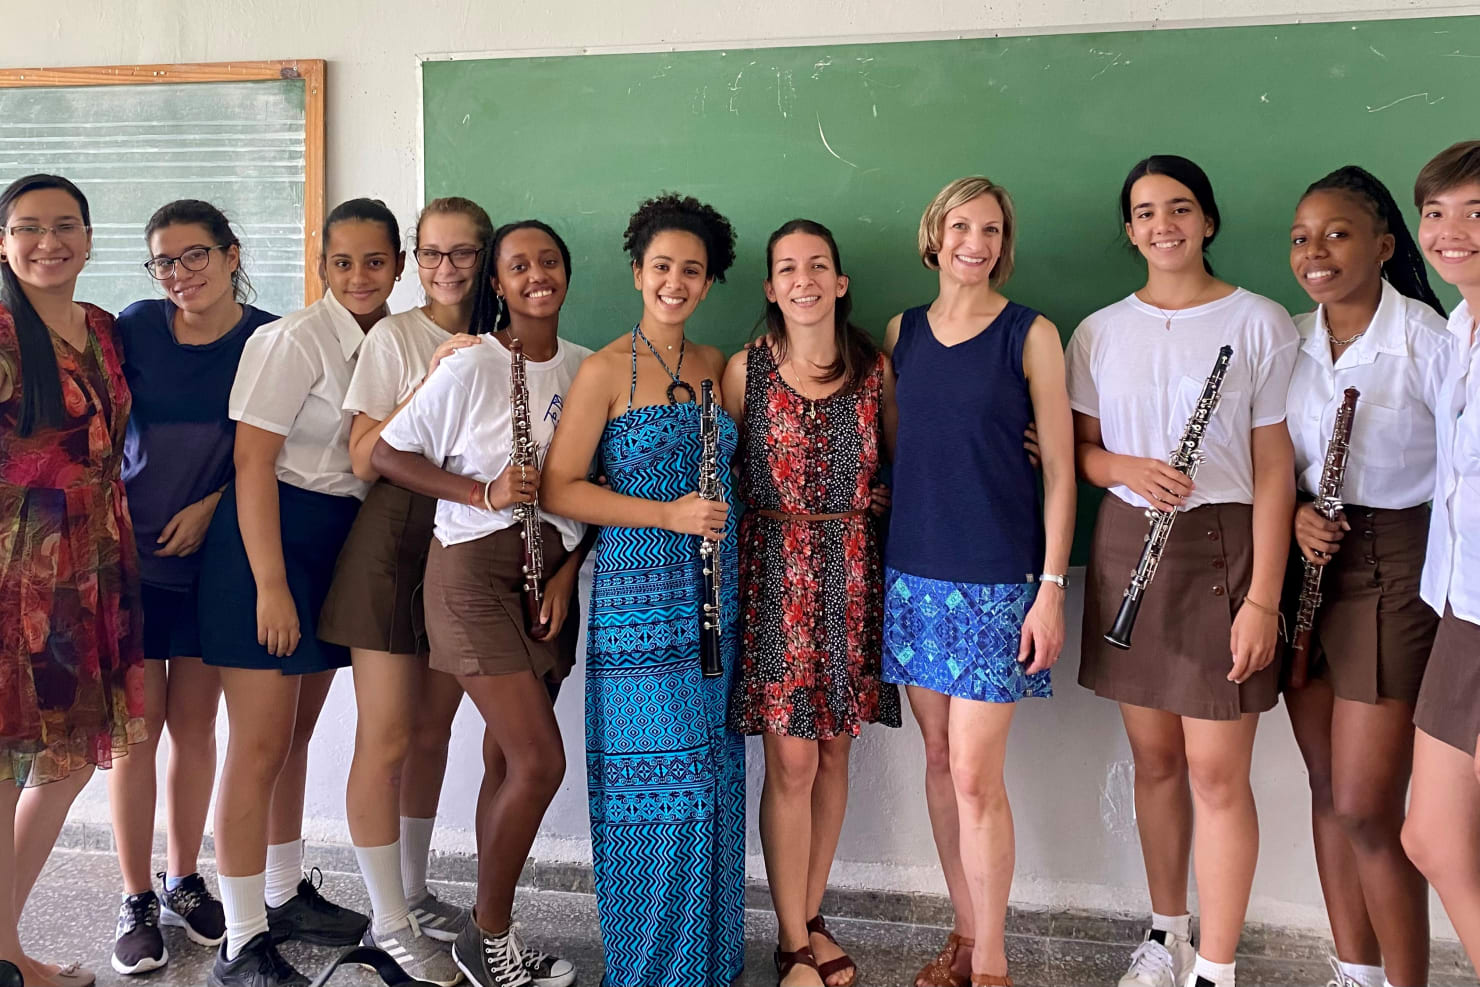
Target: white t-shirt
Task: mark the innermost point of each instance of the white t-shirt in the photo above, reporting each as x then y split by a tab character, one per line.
291	381
1398	366
393	359
461	418
1142	380
1451	569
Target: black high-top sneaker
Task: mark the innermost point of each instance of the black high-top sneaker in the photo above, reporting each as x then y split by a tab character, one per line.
490	961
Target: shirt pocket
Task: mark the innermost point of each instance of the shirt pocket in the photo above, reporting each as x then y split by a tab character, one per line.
1218	432
1379	436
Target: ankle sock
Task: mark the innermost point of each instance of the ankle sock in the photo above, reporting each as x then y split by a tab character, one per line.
1219	974
1367	976
381	868
246	912
284	871
416	849
1178	925
172	883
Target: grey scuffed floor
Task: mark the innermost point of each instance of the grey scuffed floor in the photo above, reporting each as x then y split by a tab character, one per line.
71	916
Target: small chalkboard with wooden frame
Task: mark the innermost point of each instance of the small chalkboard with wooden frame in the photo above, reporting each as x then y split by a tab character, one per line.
245	136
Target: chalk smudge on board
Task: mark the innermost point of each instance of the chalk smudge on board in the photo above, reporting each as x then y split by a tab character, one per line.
466	117
825	144
735	90
819	65
1114	57
1377	53
1264	98
1118	800
1428	101
1458	54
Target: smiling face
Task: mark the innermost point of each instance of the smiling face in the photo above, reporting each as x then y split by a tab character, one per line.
48	260
1337	247
447	284
361	264
971	240
673	277
1167	224
804	280
195	291
530	274
1449	235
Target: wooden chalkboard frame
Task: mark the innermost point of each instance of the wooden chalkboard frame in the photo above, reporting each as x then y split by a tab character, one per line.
310	70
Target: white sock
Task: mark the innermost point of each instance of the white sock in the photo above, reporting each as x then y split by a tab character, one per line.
416	850
381	868
1178	925
1220	974
284	871
1367	976
246	912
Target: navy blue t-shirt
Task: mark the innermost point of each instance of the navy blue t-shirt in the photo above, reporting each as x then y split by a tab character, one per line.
179	443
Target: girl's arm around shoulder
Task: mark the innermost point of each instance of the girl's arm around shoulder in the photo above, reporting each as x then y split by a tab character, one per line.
733	385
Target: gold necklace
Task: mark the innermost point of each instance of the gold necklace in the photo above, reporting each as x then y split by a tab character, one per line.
802	391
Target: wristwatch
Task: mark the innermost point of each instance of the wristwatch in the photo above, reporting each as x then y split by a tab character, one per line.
1062	582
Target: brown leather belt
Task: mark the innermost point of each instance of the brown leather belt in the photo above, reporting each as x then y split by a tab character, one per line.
783	516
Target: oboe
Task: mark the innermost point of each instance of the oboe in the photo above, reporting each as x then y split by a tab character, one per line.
709	606
1328	505
1185	459
523	456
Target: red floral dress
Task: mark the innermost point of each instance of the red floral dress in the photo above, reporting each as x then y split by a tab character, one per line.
71	655
811	592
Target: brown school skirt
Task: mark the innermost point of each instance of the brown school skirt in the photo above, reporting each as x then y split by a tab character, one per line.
1373	632
375	600
475	609
1449	704
1180	660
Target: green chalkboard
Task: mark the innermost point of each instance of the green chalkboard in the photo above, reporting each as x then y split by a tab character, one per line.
861	136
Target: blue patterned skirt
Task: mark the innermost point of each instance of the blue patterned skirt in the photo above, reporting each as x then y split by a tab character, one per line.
959	639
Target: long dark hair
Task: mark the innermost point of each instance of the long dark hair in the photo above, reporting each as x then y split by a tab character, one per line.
1405	269
488	314
194	212
856	351
361	210
1183	170
40	379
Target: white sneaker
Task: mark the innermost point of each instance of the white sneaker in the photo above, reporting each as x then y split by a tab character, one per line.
1158	964
1339	977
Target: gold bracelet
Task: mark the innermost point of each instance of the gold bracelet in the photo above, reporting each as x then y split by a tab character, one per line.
1261	607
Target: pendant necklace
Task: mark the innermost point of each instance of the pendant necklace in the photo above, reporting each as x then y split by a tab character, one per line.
811	403
677	383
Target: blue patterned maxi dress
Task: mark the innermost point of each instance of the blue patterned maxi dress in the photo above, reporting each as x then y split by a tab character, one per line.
665	776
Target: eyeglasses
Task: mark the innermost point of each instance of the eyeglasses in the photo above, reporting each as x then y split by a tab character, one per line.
462	257
64	231
194	259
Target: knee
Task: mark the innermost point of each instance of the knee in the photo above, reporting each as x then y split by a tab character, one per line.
539	771
256	757
978	791
1160	765
1322	796
1430	849
938	754
430	740
193	731
832	756
792	774
1220	786
1365	824
383	748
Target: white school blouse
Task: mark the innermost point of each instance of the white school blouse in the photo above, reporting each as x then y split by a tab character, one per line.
461	418
393	359
1142	380
1398	366
291	381
1451	569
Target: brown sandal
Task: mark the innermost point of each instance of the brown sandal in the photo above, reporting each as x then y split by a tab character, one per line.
817	926
938	973
990	980
787	962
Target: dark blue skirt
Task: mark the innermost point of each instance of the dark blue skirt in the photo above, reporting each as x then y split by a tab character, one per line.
314	527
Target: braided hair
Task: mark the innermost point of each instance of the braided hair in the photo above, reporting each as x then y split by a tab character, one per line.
1404	270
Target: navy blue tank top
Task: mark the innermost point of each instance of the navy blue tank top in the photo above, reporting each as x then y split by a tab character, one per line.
966	500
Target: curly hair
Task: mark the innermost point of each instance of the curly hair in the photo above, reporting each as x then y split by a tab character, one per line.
671	211
1404	270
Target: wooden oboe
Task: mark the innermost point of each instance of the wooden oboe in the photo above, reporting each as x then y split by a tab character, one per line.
1185	459
522	456
709	605
1328	505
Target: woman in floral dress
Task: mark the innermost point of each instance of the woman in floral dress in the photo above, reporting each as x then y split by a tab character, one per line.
815	399
71	651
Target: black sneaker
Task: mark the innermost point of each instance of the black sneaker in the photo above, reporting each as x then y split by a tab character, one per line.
310	917
137	945
259	964
490	961
192	907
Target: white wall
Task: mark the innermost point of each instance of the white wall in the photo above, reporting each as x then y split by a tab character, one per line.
1069	764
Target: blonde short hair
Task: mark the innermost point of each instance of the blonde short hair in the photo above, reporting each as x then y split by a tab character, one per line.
958	193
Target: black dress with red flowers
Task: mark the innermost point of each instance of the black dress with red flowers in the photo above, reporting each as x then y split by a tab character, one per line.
811	591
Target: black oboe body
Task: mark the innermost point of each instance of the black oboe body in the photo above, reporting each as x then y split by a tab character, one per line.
1185	459
523	456
709	604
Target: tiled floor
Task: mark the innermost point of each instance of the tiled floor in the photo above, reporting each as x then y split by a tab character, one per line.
71	916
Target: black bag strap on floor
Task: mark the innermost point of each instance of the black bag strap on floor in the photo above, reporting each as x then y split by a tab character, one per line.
367	956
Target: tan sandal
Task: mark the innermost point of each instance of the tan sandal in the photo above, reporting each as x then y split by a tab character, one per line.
938	973
817	926
990	980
